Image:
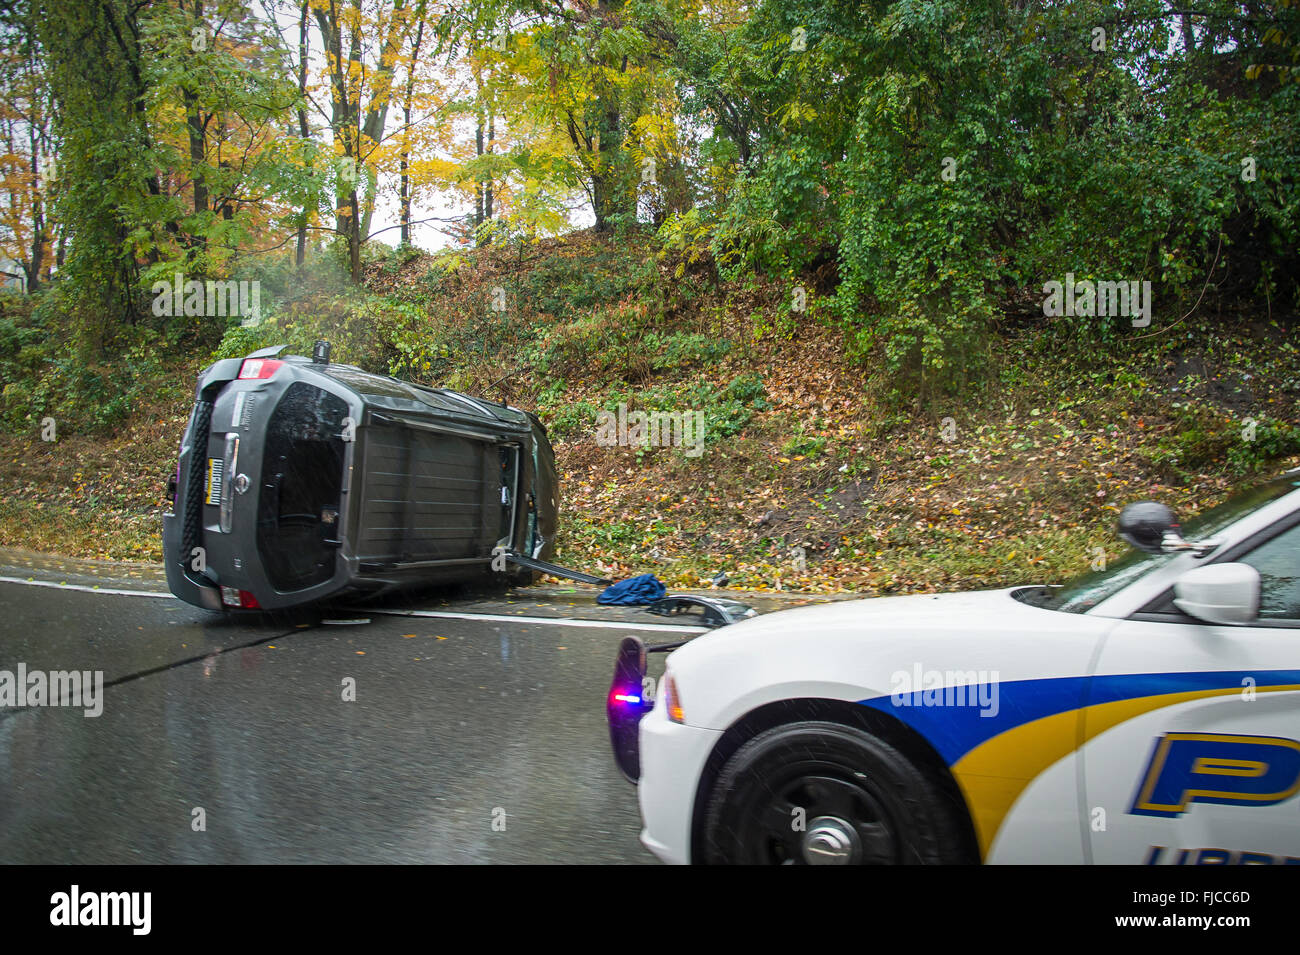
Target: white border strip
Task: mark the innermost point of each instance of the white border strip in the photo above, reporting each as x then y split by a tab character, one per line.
447	614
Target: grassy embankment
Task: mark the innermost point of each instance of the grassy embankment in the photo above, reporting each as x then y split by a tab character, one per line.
806	452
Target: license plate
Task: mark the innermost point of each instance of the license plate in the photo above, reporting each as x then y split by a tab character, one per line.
216	468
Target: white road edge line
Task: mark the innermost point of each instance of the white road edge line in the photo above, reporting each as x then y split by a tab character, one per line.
554	621
89	590
453	615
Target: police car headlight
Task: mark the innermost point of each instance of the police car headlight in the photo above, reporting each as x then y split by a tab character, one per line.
673	700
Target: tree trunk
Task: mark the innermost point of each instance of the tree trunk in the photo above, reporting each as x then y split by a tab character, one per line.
194	124
487	185
304	131
36	257
354	239
608	192
609	197
404	198
479	208
404	182
404	178
198	150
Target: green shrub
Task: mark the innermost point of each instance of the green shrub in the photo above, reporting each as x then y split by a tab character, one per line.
804	444
684	350
1268	441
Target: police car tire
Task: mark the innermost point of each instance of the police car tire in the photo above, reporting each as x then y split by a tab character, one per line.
921	819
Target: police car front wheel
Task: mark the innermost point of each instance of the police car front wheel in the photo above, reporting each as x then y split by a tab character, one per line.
816	793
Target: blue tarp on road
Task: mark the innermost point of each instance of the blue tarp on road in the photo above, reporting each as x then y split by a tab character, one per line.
643	589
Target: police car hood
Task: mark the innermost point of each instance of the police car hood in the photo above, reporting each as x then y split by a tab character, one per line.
854	650
981	611
947	610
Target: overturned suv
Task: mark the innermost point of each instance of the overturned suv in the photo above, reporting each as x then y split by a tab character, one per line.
301	480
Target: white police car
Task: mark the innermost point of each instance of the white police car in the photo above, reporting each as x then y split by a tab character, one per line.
1147	713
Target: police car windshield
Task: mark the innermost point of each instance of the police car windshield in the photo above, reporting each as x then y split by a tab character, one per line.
1083	593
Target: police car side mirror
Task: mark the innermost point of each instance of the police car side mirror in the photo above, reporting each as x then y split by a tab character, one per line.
1144	524
1219	593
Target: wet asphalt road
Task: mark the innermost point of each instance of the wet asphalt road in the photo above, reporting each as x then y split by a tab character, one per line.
457	724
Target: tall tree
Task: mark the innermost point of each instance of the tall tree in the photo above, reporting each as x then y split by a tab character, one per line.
576	82
112	202
27	150
362	46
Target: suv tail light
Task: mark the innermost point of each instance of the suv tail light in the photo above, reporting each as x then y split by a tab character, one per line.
232	597
259	368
